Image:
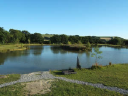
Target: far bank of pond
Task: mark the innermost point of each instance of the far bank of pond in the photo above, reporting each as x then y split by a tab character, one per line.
44	58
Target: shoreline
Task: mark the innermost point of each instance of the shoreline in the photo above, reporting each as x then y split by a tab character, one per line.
20	47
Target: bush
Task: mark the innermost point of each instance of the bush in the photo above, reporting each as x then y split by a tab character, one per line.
110	63
96	66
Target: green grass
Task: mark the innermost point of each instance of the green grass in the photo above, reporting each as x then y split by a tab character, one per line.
9	78
114	75
63	88
60	88
13	90
12	47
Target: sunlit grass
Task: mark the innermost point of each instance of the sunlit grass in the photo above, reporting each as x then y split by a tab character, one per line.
63	88
9	78
114	75
13	90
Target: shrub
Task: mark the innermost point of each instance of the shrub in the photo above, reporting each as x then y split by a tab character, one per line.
96	66
69	43
110	63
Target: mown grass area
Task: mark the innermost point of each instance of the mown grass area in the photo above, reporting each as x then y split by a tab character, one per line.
12	47
9	78
13	90
15	47
112	75
63	88
59	88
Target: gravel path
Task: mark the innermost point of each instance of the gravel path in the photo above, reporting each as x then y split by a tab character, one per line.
45	75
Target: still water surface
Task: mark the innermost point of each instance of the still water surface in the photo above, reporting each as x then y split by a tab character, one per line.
44	58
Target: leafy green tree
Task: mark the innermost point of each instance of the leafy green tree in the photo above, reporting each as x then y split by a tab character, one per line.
37	38
96	54
117	41
73	39
29	41
126	42
69	43
64	39
79	42
23	38
16	34
84	40
4	36
88	45
56	39
27	35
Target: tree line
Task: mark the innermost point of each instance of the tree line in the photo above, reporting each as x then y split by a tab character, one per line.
64	39
18	36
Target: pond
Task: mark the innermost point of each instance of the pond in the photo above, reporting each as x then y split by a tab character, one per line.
44	58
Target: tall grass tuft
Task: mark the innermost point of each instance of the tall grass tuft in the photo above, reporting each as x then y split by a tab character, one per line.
96	66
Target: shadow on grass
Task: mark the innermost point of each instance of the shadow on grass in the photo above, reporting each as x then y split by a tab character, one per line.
58	72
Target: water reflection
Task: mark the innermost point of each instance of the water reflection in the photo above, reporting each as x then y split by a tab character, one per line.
87	53
37	50
55	49
5	56
43	58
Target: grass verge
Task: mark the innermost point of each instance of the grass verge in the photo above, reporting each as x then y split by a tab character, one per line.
9	78
63	88
113	75
12	47
59	88
13	90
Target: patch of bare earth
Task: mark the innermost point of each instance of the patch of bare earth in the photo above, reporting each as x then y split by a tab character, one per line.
3	76
37	87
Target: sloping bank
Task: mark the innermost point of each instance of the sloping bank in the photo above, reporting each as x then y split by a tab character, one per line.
72	82
15	47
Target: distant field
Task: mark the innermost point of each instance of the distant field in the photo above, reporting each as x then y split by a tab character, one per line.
47	35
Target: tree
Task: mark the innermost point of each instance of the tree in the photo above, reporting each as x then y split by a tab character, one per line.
73	39
27	35
96	54
88	45
29	41
37	38
84	40
64	39
16	35
56	39
117	41
4	36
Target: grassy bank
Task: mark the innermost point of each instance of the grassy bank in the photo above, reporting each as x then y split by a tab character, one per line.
113	75
13	90
76	47
15	47
12	47
9	78
63	88
59	88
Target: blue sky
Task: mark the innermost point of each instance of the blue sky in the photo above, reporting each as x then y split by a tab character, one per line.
71	17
